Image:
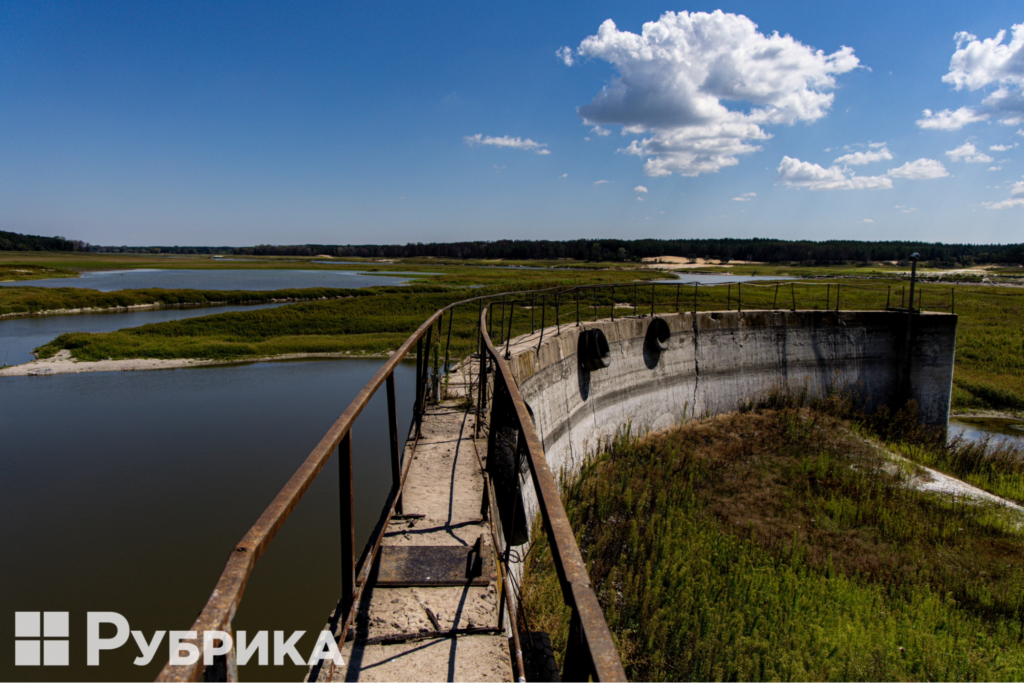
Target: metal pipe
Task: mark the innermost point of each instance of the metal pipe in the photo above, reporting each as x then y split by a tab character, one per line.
508	338
634	299
739	297
792	292
652	301
595	303
558	320
543	308
677	297
728	299
838	285
396	459
577	307
888	296
348	529
775	298
613	303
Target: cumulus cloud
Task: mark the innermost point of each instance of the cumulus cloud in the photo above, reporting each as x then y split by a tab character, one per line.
968	153
640	188
1013	202
796	173
564	175
1005	204
922	169
950	120
980	64
868	220
675	76
507	141
1002	148
906	209
639	199
995	168
598	130
601	182
878	153
565	54
745	197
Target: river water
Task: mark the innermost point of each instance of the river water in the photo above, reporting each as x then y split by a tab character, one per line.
997	430
720	278
125	492
248	280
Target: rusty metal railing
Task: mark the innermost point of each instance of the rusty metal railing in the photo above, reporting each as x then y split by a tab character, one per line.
591	651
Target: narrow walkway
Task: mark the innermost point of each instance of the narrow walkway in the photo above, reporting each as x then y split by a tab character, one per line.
442	506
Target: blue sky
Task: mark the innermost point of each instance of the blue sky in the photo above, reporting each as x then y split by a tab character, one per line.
234	124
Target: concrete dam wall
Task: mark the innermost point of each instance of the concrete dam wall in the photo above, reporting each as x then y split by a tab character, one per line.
715	362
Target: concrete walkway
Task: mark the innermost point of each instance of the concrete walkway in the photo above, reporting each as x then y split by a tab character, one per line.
442	506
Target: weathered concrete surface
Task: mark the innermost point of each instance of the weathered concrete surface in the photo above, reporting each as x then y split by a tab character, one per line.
717	361
445	485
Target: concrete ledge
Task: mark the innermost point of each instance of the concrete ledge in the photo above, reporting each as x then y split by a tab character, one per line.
717	361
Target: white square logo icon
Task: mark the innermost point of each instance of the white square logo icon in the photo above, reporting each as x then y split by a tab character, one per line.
36	635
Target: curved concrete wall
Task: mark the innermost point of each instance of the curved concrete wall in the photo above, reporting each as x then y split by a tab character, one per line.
715	362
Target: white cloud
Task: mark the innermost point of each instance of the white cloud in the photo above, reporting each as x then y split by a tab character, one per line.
922	169
507	141
906	209
861	158
950	120
1020	132
674	77
598	130
796	173
640	188
968	153
1005	204
745	197
1002	148
876	145
978	64
565	54
995	168
1018	188
867	220
601	182
564	175
639	199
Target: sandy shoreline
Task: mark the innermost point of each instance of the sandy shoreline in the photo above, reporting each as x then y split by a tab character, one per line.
63	364
154	306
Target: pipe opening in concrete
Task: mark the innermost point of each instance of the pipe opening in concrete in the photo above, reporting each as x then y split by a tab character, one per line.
593	350
658	334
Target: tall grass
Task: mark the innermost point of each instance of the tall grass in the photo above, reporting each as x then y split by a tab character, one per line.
777	544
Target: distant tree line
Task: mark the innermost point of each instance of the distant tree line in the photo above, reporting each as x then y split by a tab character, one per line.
12	241
766	250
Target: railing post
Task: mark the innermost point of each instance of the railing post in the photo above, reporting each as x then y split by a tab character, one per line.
595	303
828	296
739	297
577	307
677	297
613	303
792	292
448	344
576	661
396	460
543	308
838	285
952	300
634	299
508	337
652	301
695	286
728	298
533	304
501	327
348	530
558	319
888	296
775	299
420	362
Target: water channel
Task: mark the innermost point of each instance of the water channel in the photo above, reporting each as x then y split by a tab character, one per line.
125	492
248	280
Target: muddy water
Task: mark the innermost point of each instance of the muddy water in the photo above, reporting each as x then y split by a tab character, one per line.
125	492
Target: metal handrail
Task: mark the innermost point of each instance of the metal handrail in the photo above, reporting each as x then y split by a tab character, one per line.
588	623
591	650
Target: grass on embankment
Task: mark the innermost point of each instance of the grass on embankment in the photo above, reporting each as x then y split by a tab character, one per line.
17	272
774	545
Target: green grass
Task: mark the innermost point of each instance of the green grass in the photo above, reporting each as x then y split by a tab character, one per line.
773	545
17	272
